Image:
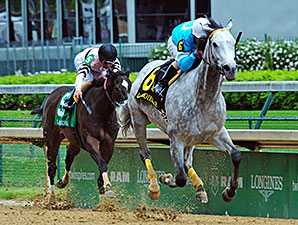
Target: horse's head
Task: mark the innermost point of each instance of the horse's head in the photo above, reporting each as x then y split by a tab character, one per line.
118	86
220	50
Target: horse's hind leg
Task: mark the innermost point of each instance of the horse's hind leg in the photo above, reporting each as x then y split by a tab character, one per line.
139	126
224	143
72	151
53	144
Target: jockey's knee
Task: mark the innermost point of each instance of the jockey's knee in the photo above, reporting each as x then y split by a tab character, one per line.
175	65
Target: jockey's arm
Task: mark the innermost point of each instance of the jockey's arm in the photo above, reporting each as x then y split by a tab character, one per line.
82	73
186	60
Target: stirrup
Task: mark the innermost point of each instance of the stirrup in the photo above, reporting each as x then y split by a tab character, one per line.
159	89
68	107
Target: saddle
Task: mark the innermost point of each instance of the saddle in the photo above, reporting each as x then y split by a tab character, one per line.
146	90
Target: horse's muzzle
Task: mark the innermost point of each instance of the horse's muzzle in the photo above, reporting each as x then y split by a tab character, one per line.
230	72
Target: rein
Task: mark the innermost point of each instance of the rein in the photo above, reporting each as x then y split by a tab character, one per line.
113	103
217	67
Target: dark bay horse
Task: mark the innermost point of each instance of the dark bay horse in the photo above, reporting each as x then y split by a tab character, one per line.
95	133
196	113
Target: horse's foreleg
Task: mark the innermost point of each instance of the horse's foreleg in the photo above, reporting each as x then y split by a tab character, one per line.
107	185
101	152
61	183
224	143
201	195
229	193
177	155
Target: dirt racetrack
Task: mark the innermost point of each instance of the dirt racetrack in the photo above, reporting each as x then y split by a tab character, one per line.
26	213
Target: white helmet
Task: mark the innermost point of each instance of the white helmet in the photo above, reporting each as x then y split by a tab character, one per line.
197	27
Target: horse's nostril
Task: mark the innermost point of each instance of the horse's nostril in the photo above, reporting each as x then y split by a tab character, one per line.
226	68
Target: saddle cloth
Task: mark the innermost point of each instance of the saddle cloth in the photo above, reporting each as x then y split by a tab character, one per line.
64	118
146	90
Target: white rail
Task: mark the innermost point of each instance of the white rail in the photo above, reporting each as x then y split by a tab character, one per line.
261	139
251	86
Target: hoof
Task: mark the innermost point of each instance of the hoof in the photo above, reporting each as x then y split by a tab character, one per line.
201	195
60	184
108	192
180	182
228	197
164	178
153	195
51	199
154	190
167	179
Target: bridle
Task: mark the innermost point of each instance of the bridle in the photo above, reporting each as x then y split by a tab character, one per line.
114	104
216	66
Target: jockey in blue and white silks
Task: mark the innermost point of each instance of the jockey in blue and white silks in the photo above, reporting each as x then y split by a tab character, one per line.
182	45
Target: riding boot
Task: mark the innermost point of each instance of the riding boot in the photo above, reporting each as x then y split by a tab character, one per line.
69	103
162	84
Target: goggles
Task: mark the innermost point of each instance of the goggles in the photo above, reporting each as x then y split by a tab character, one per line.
107	61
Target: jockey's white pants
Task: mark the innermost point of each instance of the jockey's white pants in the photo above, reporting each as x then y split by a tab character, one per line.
172	48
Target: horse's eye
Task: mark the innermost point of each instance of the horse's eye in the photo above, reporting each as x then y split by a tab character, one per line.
215	45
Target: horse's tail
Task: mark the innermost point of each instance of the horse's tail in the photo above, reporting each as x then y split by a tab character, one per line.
37	111
123	118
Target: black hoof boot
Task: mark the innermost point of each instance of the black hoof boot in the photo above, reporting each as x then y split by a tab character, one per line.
60	184
228	195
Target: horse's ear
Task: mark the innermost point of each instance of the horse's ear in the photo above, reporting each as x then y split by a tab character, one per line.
230	24
127	71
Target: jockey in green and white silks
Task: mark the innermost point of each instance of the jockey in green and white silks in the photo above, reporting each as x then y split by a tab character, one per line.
93	60
183	45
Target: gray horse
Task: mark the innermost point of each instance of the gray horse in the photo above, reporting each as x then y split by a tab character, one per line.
196	113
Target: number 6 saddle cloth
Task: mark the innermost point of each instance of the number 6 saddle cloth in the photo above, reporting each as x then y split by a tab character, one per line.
146	90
